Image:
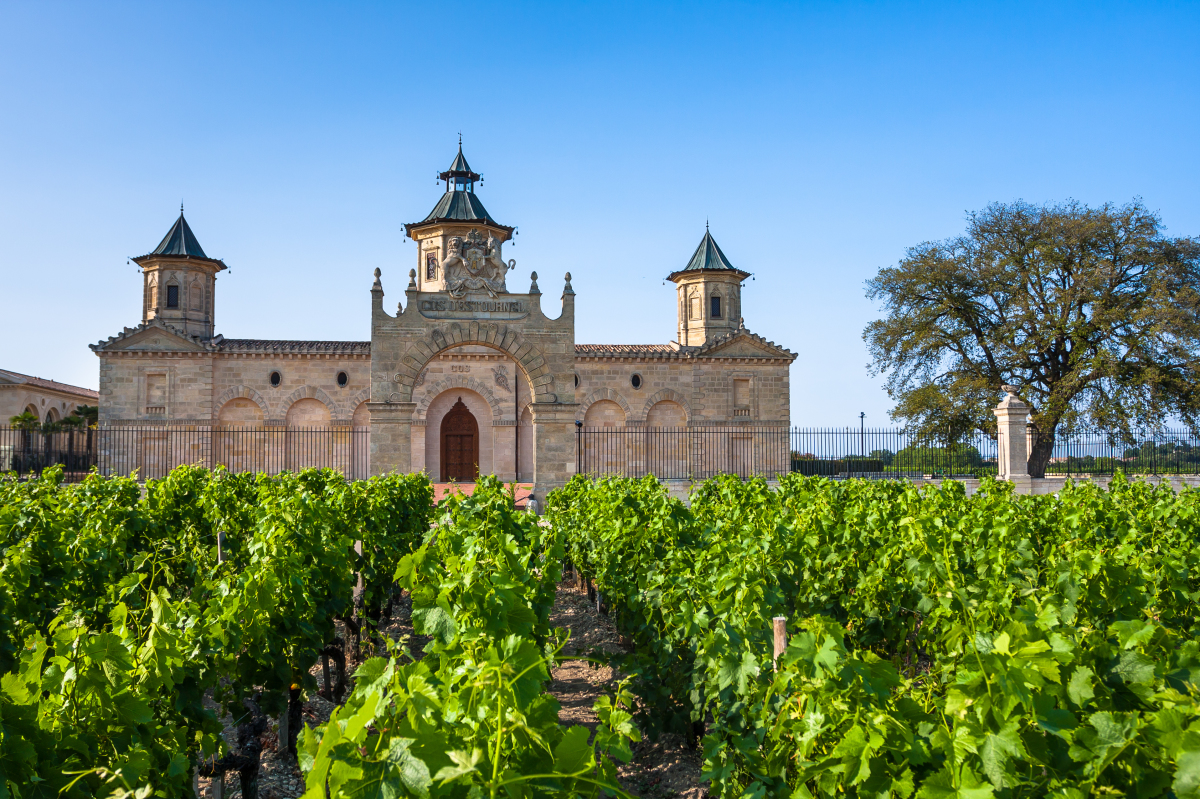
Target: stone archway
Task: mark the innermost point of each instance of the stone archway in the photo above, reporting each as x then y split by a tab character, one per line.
429	323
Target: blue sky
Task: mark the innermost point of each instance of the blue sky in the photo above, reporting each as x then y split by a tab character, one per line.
820	140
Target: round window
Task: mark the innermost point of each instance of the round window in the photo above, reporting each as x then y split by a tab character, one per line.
343	379
576	381
276	378
636	381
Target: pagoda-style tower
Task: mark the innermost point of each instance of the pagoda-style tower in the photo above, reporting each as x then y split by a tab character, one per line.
455	215
710	294
179	282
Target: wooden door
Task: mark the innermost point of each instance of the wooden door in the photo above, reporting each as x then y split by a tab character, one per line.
460	444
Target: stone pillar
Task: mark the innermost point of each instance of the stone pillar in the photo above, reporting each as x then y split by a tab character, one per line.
391	436
1012	418
553	446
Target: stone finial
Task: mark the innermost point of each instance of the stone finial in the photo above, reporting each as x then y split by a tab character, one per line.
567	288
533	286
377	284
1011	400
1007	389
412	278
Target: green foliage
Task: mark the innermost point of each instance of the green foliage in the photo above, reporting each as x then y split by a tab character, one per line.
1093	312
940	645
116	615
470	719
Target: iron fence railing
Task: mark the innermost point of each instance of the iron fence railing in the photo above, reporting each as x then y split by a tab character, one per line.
153	450
700	452
678	453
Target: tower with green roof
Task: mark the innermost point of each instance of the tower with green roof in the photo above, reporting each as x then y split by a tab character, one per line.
709	294
457	213
179	282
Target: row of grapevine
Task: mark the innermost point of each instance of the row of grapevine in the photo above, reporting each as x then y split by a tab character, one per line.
469	717
120	609
940	645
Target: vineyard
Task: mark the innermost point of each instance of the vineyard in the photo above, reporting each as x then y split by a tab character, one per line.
940	645
865	638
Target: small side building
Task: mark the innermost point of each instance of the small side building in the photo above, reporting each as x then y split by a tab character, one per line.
48	400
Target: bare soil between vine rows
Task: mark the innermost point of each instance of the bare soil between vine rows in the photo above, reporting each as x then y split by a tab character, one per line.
658	770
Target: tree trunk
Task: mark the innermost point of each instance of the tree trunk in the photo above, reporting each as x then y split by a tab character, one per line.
1039	456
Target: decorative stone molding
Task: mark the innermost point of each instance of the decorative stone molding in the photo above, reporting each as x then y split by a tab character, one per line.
667	394
603	394
452	382
239	392
311	392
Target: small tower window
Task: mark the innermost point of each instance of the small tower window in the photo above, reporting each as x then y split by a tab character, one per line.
636	381
276	379
342	379
172	296
431	265
716	306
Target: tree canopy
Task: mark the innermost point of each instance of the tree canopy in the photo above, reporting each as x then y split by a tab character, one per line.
1093	312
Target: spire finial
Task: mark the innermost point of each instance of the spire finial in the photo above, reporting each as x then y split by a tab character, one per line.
706	224
460	141
181	207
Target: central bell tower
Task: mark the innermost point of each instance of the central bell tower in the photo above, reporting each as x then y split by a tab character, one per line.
460	215
710	294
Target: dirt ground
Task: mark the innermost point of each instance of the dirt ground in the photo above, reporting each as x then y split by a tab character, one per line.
659	770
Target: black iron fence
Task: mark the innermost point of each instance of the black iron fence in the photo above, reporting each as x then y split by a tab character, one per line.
681	453
700	452
153	450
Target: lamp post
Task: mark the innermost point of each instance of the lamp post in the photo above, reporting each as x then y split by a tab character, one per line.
862	434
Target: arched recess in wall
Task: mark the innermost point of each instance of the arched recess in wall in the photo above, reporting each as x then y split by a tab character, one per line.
234	392
309	392
438	407
666	413
52	415
240	412
32	409
525	446
309	438
603	395
604	413
666	395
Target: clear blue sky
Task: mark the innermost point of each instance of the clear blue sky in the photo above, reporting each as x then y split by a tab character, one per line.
821	140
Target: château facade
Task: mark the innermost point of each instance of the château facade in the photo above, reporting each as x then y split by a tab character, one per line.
469	373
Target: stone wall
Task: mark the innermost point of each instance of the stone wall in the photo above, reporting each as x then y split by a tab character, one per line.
156	386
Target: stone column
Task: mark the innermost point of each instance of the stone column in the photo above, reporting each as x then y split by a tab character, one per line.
1012	418
391	436
553	446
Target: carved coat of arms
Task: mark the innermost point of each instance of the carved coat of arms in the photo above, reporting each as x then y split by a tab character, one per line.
474	265
501	377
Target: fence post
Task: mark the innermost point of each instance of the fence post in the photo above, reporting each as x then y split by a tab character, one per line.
1012	416
779	625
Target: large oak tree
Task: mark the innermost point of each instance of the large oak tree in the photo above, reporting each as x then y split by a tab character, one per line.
1093	312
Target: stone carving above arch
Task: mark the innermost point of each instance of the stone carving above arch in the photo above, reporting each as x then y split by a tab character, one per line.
311	392
666	394
235	392
603	394
452	382
499	337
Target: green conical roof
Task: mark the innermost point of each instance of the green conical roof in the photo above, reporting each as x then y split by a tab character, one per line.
460	168
708	256
180	240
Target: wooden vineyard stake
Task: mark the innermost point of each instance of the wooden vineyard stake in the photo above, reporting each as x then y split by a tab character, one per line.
220	546
218	786
325	674
779	625
283	726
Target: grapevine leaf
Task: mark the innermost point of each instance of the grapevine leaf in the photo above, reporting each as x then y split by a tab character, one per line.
1080	686
1187	775
573	753
464	763
941	786
413	771
997	750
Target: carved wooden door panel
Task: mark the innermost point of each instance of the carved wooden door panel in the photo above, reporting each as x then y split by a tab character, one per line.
460	444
